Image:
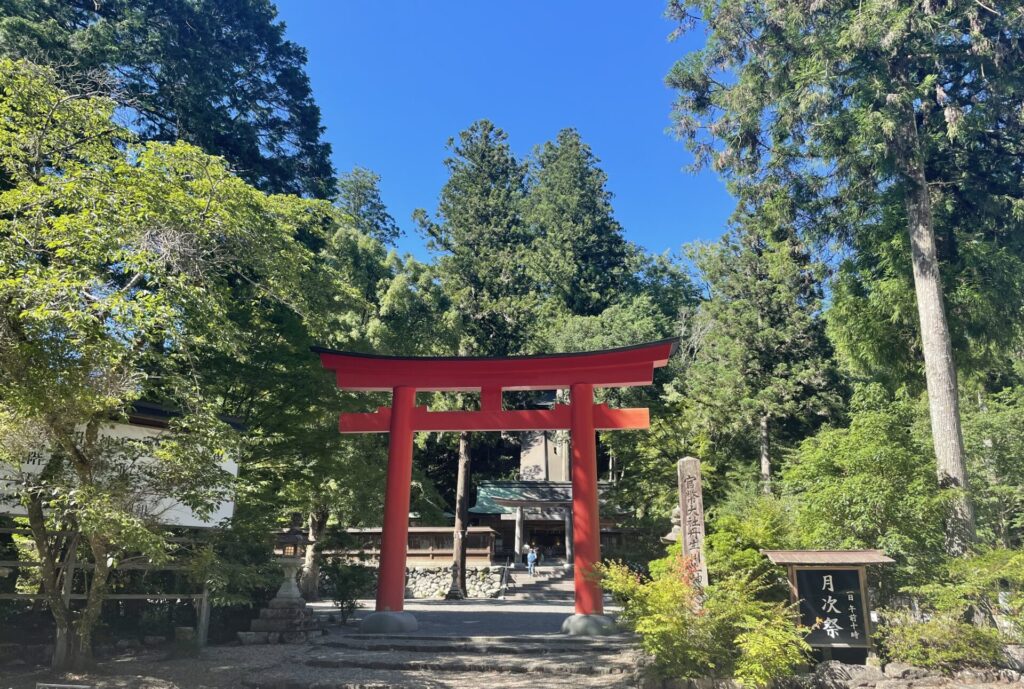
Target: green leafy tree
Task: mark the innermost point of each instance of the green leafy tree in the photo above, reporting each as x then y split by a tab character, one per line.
118	267
219	75
905	114
871	485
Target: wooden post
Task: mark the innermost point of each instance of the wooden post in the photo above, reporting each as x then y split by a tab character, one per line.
691	510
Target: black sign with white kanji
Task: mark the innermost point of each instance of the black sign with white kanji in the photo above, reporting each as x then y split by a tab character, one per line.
832	606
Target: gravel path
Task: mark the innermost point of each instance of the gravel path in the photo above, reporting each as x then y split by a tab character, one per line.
284	667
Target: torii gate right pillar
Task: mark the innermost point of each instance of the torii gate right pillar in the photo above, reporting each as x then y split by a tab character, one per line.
589	619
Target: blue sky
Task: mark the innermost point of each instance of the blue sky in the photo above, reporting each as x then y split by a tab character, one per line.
396	80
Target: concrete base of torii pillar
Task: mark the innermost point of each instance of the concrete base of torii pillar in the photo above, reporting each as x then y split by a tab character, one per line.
589	625
388	623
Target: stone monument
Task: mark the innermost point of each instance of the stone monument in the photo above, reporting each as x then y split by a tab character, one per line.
691	512
286	619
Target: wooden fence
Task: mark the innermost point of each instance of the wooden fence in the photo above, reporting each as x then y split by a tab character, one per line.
200	600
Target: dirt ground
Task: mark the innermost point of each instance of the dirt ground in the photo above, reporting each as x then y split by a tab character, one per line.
283	667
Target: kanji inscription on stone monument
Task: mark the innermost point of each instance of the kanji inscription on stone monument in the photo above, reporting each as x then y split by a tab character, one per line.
691	509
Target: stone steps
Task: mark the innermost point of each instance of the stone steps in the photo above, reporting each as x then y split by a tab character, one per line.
560	587
550	664
486	645
361	678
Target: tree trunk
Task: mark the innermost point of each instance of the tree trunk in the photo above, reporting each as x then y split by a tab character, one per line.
309	580
940	369
458	587
90	616
56	582
766	460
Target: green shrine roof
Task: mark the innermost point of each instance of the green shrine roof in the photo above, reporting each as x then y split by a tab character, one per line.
502	497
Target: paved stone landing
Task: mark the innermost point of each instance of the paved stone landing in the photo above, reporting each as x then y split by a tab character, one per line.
464	644
497	661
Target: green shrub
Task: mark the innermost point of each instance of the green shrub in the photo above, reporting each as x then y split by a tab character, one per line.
941	642
345	583
986	586
746	522
724	631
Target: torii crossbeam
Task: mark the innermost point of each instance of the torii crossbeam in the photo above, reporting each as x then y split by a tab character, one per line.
579	373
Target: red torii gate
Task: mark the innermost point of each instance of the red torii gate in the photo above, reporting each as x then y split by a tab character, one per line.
580	373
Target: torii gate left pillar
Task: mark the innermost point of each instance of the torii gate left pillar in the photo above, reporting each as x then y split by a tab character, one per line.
581	373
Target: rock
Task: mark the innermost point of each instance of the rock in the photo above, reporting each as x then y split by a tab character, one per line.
185	634
127	644
976	675
1014	656
251	638
1010	676
154	640
904	671
833	674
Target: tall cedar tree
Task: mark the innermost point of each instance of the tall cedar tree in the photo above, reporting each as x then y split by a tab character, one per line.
868	109
760	357
215	73
580	256
359	197
482	238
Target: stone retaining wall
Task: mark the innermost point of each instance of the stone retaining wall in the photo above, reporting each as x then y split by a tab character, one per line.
434	582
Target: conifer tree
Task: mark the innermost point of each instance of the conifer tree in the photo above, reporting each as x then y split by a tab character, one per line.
760	358
872	110
580	257
220	75
482	239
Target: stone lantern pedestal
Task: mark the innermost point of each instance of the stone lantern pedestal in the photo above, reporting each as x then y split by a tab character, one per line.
286	619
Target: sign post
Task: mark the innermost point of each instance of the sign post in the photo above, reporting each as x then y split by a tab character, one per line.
830	589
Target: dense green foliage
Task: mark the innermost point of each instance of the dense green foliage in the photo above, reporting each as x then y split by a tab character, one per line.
761	369
942	642
725	630
961	606
148	252
119	263
219	75
345	583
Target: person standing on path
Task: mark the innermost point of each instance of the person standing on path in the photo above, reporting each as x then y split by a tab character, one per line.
531	561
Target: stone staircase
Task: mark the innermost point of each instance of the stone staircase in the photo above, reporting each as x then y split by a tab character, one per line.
554	585
403	662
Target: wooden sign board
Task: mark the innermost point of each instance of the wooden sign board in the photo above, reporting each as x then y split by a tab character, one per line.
833	604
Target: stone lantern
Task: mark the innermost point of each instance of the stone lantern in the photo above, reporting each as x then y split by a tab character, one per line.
286	619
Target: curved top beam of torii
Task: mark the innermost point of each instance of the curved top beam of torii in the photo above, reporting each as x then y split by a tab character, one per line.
621	367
